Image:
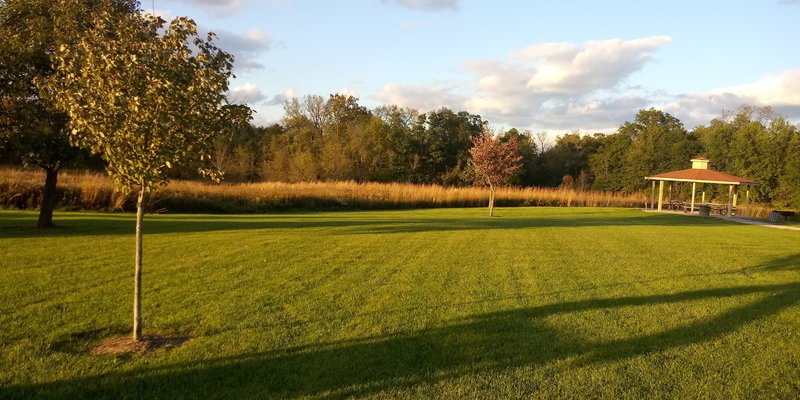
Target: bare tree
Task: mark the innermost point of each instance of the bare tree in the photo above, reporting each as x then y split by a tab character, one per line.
543	141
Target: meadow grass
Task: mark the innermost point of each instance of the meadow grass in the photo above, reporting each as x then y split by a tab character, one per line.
92	191
437	303
88	191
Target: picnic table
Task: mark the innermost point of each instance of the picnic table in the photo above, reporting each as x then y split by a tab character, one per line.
675	205
686	207
721	209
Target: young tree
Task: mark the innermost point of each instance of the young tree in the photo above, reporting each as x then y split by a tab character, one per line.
494	161
148	97
30	125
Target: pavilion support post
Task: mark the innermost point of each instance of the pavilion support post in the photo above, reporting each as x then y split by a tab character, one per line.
730	200
669	197
736	196
660	195
747	202
703	200
691	207
653	196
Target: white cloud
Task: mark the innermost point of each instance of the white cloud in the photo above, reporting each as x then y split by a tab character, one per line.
427	5
280	98
562	87
781	92
290	93
500	86
424	98
258	37
167	15
219	7
247	93
556	72
566	68
592	114
783	89
228	7
245	47
276	100
348	92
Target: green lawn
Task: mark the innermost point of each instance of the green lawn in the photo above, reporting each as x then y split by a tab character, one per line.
443	303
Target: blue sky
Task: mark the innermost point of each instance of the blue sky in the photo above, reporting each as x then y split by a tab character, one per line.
541	65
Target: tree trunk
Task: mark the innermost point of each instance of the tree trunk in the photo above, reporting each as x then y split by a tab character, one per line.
137	274
491	200
48	199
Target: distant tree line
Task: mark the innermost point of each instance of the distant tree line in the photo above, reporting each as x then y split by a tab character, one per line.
338	139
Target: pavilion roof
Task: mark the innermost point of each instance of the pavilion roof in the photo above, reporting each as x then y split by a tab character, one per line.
701	176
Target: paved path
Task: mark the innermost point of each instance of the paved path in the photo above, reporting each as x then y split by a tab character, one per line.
749	221
741	220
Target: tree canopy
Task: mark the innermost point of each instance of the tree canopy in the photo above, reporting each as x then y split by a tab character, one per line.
31	126
146	101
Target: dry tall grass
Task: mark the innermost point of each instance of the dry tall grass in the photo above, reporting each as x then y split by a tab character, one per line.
757	210
91	191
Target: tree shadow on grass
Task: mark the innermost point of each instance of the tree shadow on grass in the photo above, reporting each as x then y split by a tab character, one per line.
579	221
347	223
791	263
482	343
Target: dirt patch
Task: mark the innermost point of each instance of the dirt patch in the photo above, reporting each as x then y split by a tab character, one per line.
148	344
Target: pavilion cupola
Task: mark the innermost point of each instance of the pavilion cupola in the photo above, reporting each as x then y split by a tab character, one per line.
700	163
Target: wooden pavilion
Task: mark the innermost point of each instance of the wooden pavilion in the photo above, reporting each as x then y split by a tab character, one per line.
699	173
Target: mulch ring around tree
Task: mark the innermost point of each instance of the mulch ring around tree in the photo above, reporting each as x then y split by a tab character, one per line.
148	344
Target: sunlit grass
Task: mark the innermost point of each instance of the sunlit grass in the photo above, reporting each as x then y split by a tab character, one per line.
441	303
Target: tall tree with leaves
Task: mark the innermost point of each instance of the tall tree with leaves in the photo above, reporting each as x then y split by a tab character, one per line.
147	96
30	125
527	149
444	138
608	163
659	143
654	142
756	143
494	161
789	189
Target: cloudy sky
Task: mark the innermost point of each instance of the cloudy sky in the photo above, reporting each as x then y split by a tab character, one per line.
551	66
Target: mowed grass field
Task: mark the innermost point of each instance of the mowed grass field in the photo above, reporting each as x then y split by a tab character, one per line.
437	303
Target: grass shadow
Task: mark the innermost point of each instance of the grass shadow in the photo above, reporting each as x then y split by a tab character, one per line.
791	263
18	225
